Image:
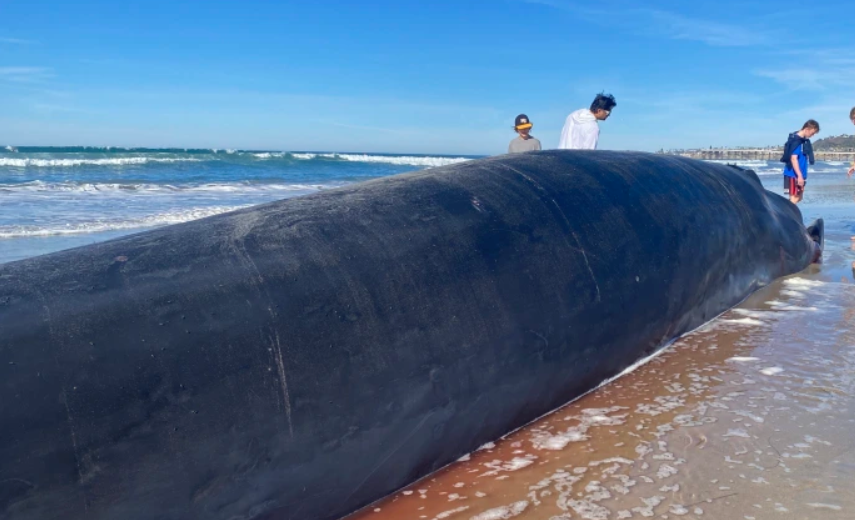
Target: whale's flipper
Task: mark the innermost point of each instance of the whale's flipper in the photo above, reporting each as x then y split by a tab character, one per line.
816	231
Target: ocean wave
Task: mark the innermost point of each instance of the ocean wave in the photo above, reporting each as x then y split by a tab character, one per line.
403	160
747	163
303	156
268	155
112	161
225	156
83	187
115	150
98	226
766	168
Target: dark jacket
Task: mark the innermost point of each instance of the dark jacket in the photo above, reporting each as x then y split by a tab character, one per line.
793	142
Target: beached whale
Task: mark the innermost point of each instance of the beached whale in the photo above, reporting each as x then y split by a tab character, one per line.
301	359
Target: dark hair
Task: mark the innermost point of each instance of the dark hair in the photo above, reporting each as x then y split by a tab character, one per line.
603	102
852	113
811	124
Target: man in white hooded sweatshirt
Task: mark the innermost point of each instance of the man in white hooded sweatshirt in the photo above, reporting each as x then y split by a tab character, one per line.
581	130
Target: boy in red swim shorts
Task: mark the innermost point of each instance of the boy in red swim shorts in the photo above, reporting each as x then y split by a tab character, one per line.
798	152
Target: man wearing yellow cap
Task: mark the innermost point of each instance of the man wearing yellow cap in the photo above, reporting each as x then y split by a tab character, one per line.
525	142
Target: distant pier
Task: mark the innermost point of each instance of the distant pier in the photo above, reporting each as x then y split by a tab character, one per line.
759	154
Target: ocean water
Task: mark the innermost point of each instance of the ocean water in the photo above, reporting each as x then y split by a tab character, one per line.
56	198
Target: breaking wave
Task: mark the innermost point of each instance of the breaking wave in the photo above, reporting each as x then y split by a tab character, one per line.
407	160
82	187
97	226
72	162
118	159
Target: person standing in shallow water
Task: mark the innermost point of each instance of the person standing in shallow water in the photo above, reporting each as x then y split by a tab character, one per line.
581	129
798	152
525	142
852	166
850	172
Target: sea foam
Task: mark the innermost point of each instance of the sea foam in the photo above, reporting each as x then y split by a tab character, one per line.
67	163
98	226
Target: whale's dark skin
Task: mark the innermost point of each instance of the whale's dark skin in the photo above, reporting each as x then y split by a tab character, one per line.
304	358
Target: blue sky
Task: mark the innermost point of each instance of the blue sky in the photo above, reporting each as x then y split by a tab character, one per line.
420	77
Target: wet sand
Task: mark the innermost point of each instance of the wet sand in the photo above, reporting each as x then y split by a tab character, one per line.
746	418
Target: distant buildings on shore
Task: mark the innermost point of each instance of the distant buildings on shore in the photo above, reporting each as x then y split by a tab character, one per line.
834	148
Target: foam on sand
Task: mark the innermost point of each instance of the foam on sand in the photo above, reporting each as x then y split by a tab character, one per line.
504	512
744	321
803	283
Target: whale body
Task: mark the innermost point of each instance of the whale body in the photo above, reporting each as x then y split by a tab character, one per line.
304	358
